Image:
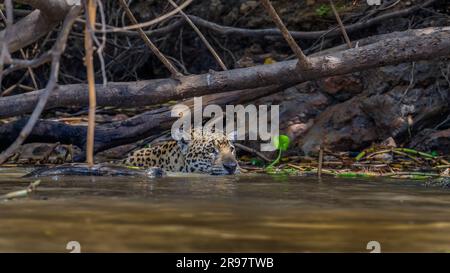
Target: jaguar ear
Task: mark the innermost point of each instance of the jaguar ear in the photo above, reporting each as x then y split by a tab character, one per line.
232	136
183	139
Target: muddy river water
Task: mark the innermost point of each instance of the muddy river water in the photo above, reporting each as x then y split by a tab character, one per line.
246	213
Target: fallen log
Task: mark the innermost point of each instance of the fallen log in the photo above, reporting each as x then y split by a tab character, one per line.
312	35
121	132
412	45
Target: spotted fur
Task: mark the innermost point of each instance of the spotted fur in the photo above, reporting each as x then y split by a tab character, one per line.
205	152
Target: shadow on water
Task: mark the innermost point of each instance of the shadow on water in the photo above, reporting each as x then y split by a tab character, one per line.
206	213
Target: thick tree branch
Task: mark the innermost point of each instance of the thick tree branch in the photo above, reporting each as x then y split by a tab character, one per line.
48	14
412	45
57	9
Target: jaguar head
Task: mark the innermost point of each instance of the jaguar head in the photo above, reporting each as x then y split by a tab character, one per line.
209	152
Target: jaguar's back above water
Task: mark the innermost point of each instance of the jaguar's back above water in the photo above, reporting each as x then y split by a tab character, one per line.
205	152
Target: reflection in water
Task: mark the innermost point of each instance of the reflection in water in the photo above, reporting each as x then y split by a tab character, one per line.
241	213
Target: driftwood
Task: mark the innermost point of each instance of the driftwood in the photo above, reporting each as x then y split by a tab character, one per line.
95	170
411	45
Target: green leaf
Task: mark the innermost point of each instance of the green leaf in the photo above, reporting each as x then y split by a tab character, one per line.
360	155
270	170
323	10
256	162
281	142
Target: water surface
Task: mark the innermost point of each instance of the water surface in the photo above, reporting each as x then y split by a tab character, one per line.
247	213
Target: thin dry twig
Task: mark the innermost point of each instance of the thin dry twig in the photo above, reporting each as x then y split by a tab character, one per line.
302	59
17	64
202	37
152	22
56	52
4	53
307	35
251	150
21	193
341	25
319	169
149	43
90	12
30	70
100	45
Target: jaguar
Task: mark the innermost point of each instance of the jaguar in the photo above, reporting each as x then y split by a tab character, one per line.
199	151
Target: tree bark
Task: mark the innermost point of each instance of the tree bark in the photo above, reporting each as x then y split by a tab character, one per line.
412	45
46	17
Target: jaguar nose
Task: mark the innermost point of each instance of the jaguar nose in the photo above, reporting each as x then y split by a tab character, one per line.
230	167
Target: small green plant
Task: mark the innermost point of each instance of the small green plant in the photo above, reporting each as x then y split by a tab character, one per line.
281	143
323	10
257	162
